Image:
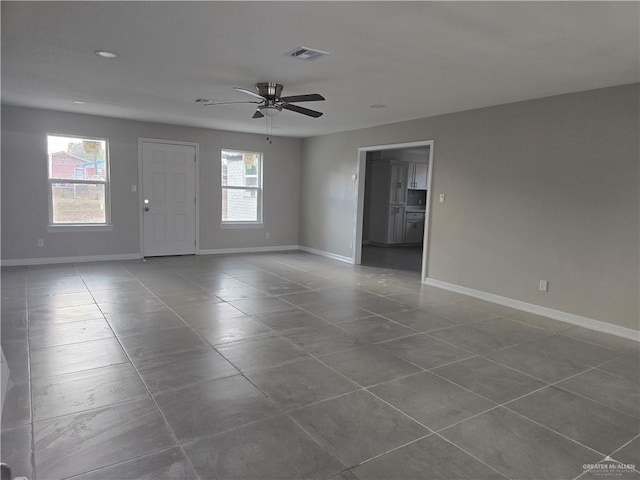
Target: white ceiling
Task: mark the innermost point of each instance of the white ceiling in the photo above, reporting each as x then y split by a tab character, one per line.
417	58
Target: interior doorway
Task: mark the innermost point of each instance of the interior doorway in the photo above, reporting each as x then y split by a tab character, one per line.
393	209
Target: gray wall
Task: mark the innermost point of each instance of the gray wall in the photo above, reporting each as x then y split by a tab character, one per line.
24	185
543	189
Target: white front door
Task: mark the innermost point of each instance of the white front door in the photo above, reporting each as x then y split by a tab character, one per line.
169	199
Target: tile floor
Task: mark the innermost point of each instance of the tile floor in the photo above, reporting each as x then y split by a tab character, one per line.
293	366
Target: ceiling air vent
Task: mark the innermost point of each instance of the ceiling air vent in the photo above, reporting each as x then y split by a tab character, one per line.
305	53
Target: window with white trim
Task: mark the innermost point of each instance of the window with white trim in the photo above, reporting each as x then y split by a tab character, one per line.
78	179
241	182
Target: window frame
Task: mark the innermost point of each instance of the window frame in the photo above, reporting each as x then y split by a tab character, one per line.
87	226
258	189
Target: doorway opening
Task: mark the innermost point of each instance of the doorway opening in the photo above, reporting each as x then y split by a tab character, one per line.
392	225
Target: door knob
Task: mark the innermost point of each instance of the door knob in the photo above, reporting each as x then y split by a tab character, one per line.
146	209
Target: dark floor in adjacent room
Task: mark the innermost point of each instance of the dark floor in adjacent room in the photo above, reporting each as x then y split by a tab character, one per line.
398	258
294	366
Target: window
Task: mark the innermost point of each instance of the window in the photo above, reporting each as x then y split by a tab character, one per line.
78	180
241	181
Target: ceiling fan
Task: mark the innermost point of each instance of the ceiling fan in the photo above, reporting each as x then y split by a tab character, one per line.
271	102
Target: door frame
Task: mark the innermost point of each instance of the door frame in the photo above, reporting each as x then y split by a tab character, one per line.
362	165
196	146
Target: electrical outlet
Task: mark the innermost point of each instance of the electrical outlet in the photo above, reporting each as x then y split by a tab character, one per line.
544	286
41	242
442	198
267	235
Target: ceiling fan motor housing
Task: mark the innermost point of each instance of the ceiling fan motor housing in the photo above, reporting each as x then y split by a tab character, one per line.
268	90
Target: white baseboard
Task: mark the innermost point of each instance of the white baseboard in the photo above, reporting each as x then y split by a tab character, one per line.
322	253
54	260
222	251
577	320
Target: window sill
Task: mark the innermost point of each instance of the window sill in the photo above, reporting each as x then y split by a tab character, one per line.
231	225
79	228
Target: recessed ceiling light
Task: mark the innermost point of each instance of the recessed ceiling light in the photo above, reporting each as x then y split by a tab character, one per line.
79	102
378	105
106	54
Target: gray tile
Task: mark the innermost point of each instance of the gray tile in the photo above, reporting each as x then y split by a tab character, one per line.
489	379
420	320
74	444
547	366
320	340
225	330
288	319
301	383
519	448
459	313
200	317
212	407
612	342
627	366
263	352
630	453
167	465
376	329
432	401
61	300
337	312
14	326
139	305
575	350
89	389
135	323
45	317
194	298
585	421
273	449
176	370
357	426
429	458
261	305
369	365
473	339
608	389
67	333
162	342
284	288
424	351
17	405
16	450
76	357
382	306
538	321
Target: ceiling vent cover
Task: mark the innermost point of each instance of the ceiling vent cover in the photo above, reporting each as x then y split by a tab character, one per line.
305	53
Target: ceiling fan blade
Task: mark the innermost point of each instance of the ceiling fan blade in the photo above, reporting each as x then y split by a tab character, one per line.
302	110
312	97
225	103
248	92
258	114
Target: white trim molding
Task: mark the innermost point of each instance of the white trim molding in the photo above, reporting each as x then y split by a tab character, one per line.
322	253
80	259
559	315
224	251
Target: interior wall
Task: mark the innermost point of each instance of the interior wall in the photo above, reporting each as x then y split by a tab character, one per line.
25	197
543	189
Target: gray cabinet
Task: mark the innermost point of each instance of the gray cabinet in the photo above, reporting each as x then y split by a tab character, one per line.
417	176
414	227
